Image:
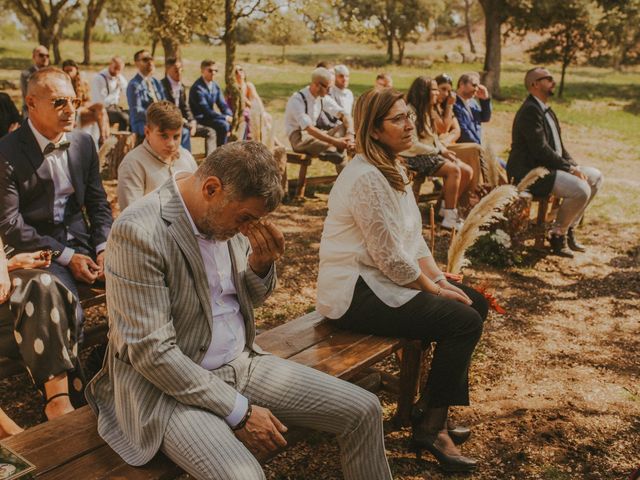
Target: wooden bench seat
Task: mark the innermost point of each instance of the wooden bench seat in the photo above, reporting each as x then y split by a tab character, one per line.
301	184
543	217
69	446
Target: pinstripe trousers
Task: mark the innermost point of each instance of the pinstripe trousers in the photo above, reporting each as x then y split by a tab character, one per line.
203	445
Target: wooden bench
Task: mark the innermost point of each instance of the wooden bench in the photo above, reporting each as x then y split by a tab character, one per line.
94	335
301	184
69	446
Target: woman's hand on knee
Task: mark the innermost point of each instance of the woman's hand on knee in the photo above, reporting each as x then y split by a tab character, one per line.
454	293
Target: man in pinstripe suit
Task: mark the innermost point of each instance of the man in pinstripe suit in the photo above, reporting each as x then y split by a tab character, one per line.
185	267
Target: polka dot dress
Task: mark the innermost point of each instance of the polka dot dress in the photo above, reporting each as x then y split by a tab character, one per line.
36	327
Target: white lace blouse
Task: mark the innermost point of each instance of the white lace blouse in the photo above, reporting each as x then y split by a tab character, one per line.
372	231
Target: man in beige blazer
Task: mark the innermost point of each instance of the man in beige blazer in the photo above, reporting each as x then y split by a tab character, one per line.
185	266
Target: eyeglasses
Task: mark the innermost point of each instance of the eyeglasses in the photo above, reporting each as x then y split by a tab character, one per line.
60	102
548	77
401	118
43	55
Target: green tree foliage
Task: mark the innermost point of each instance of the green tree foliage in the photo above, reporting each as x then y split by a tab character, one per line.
394	22
129	18
620	28
321	18
570	29
47	17
175	22
284	29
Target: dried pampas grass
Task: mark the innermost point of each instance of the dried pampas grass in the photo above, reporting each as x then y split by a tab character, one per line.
488	210
532	177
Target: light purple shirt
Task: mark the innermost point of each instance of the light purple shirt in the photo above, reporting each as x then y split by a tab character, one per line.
227	330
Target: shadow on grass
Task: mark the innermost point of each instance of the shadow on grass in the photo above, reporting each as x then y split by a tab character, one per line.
585	91
12	63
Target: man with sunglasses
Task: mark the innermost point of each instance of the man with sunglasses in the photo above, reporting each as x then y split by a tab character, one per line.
142	91
536	142
472	107
205	95
52	194
40	57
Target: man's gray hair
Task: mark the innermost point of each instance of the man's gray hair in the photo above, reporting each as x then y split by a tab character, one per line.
320	73
245	169
341	70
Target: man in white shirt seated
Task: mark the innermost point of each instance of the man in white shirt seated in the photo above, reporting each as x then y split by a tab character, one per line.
106	88
340	90
157	158
309	126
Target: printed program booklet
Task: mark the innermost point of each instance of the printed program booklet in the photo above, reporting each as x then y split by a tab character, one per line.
13	466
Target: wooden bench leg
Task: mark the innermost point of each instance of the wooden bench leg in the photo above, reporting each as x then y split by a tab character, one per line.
410	371
302	180
543	205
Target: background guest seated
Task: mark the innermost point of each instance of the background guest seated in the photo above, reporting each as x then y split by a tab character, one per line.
107	87
377	275
204	96
90	117
309	126
9	116
153	162
51	190
429	157
472	107
37	317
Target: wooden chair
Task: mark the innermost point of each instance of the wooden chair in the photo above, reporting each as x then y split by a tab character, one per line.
304	161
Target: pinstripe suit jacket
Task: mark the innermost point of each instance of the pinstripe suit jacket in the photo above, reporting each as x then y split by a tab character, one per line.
160	325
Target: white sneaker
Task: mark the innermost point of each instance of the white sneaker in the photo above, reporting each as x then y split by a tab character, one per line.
451	220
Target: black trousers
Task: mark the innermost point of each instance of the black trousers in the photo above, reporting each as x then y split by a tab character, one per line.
119	116
454	326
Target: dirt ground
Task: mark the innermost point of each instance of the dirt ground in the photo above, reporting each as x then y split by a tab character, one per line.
555	382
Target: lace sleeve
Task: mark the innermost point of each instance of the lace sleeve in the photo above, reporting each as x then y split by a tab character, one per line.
378	215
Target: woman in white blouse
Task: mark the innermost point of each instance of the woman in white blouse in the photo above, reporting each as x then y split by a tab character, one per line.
377	275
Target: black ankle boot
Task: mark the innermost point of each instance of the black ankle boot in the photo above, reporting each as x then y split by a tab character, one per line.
559	246
424	438
573	243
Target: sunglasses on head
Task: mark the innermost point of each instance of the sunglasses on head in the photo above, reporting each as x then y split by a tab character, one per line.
60	102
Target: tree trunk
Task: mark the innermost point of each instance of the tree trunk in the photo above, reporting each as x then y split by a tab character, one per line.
94	9
283	52
230	41
493	19
566	60
400	58
171	48
154	46
390	39
467	25
57	57
86	42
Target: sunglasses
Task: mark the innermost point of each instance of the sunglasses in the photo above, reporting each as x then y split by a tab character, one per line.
43	55
146	59
60	102
548	77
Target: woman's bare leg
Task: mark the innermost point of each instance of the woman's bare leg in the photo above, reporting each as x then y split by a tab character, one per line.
7	426
59	405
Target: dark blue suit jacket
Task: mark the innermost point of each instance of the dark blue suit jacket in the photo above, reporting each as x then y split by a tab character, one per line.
471	121
202	101
27	193
139	98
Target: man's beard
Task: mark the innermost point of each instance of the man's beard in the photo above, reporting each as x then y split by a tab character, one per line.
210	227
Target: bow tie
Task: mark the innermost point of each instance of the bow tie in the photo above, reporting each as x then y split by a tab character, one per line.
52	147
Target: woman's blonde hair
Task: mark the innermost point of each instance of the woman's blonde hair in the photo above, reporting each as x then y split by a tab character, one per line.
369	113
